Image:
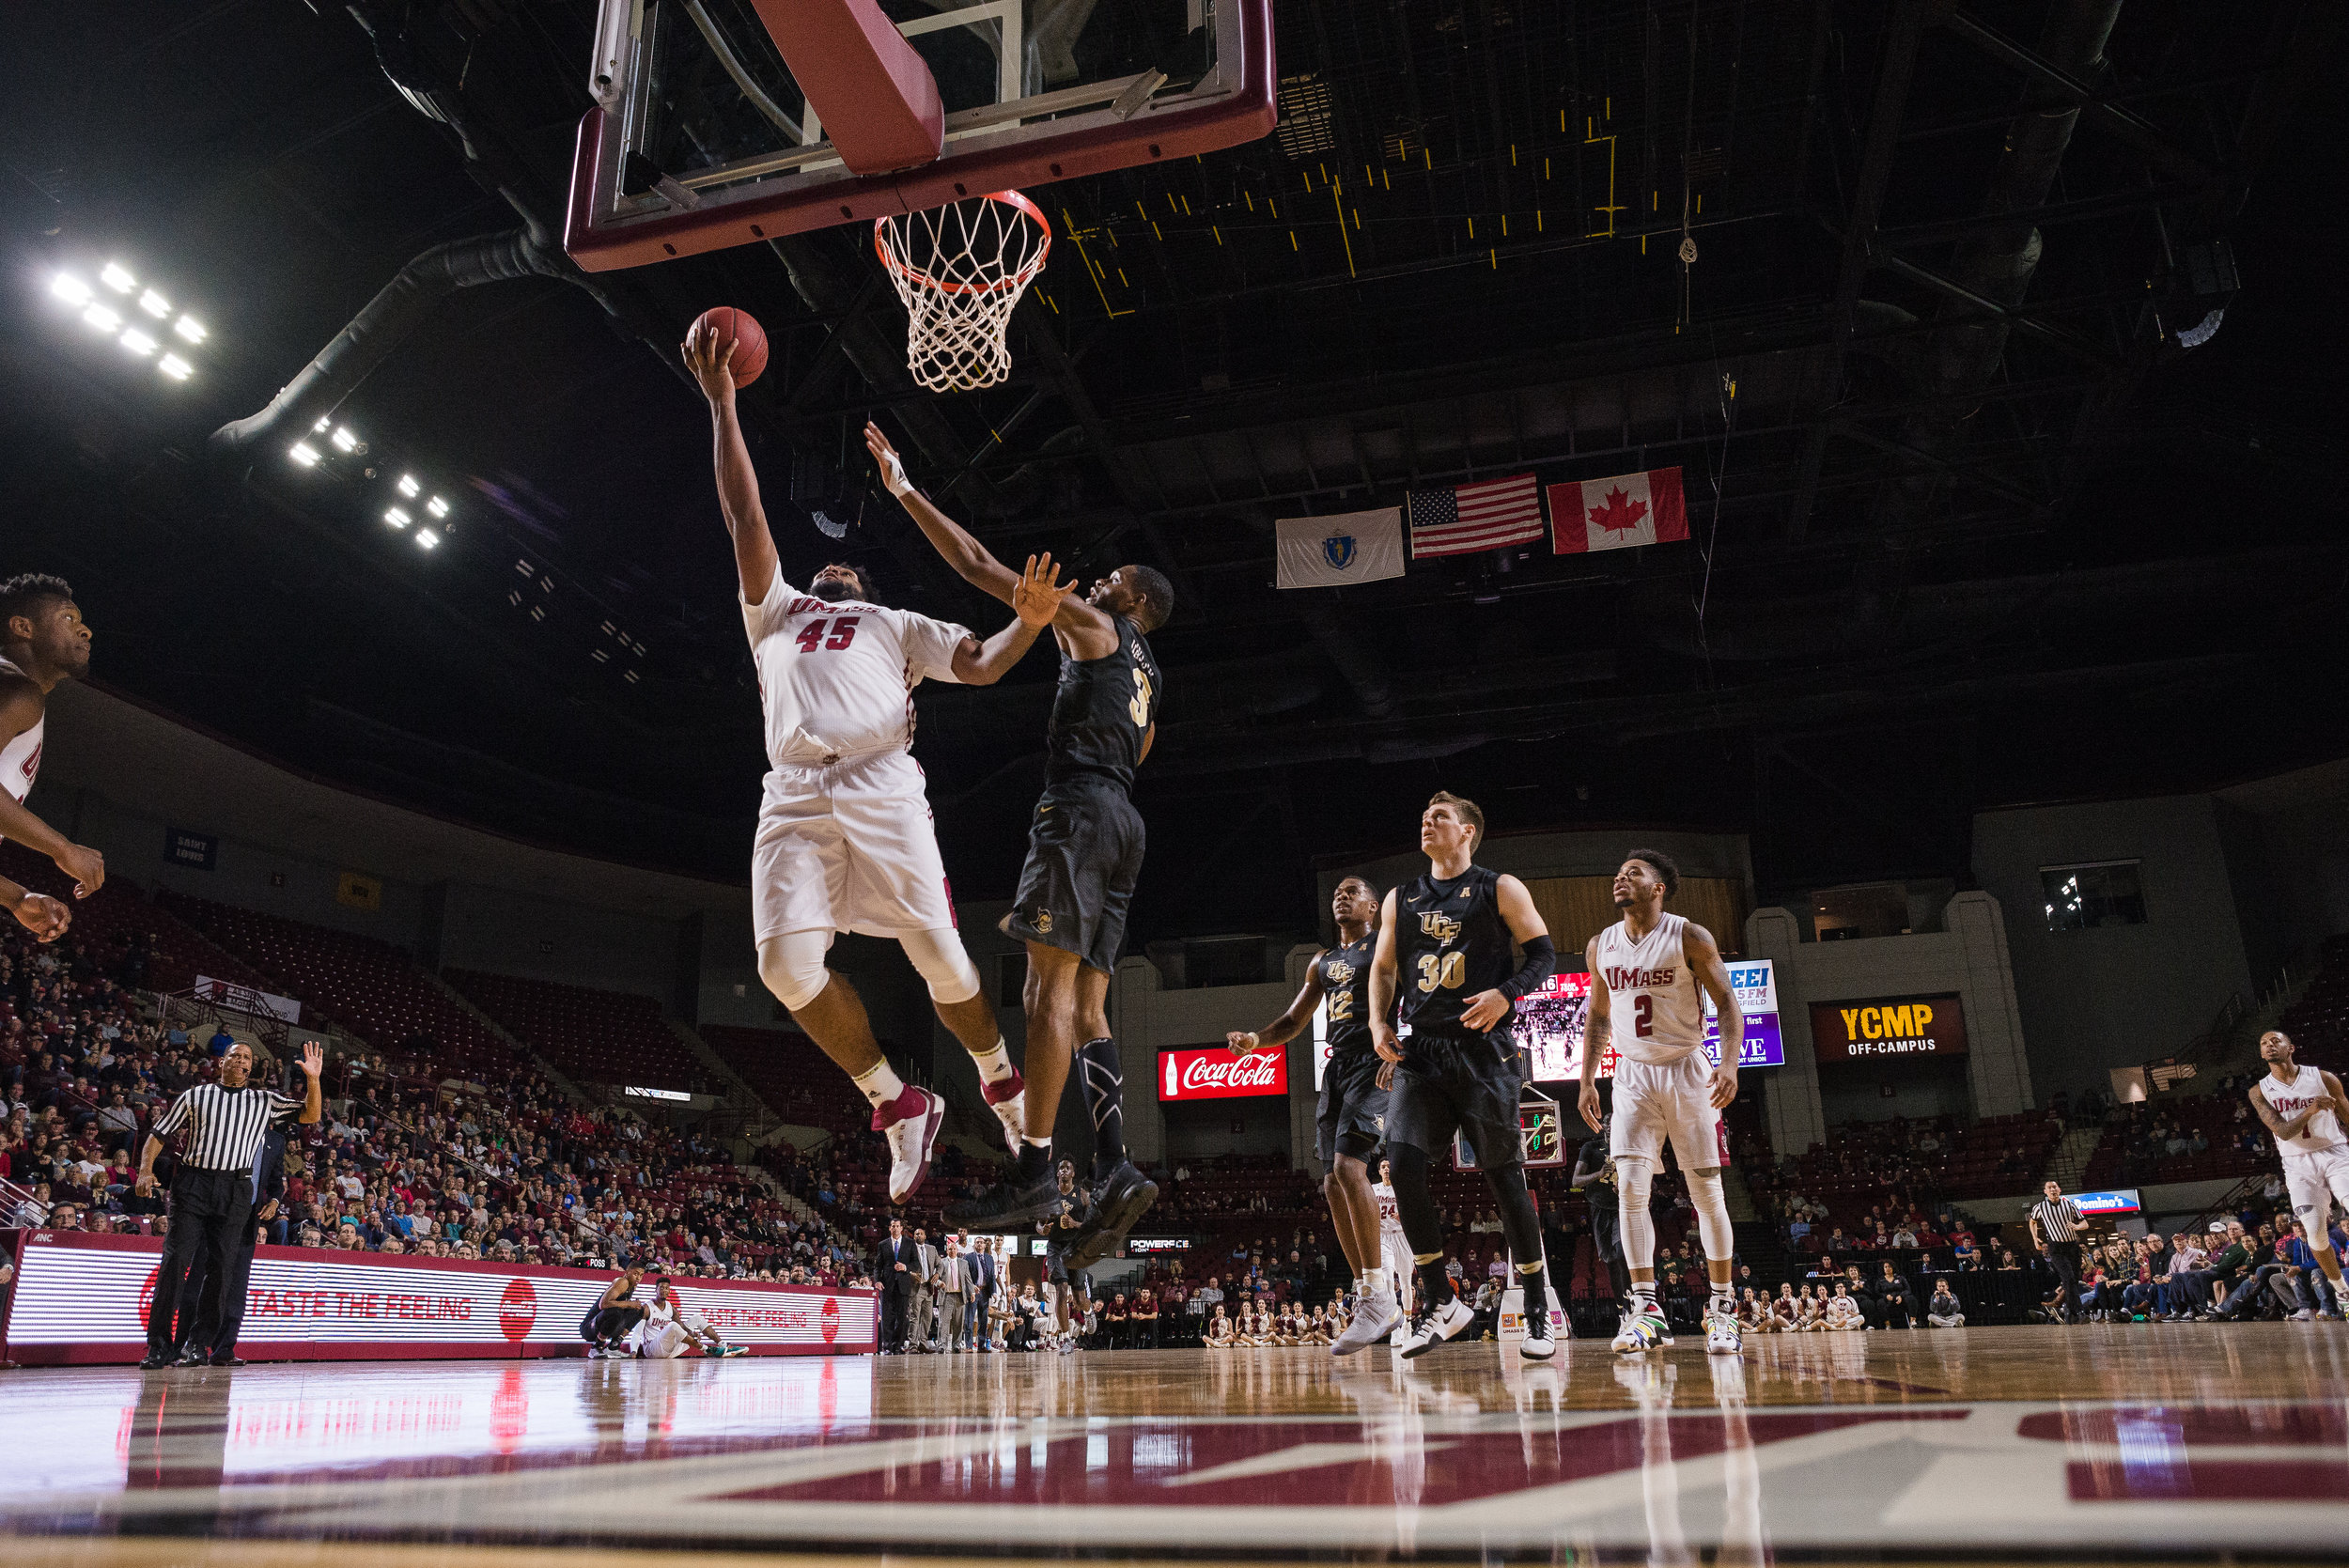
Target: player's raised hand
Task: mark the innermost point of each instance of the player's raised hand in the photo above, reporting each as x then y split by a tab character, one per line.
43	916
1037	598
893	467
710	362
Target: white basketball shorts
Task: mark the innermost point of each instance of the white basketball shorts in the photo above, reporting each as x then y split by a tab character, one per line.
848	845
1670	1099
2319	1183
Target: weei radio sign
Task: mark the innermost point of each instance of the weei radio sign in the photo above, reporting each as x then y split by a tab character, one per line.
1888	1026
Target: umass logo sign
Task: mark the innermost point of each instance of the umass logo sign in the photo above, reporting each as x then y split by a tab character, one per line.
1213	1073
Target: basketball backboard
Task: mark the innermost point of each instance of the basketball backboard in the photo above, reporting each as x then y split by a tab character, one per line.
704	137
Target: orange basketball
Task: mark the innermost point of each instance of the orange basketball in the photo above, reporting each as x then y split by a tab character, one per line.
738	328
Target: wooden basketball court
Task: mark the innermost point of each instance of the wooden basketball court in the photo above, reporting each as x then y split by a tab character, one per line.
2098	1441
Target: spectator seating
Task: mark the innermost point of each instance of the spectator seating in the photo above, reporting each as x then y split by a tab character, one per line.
792	1077
2134	1152
2318	1020
369	986
591	1035
119	915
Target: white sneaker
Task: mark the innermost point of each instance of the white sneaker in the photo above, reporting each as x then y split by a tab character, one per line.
1641	1332
1539	1344
2303	1315
1432	1329
910	1141
1721	1334
1377	1312
1008	1099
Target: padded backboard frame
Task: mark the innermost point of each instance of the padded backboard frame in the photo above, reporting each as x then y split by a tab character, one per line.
1017	143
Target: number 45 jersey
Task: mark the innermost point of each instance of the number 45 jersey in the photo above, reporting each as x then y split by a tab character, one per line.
837	680
1450	944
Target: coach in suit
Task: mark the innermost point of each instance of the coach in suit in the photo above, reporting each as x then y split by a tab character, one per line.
923	1324
982	1263
954	1297
900	1264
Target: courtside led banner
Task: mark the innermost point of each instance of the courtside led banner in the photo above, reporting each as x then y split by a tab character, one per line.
1213	1073
84	1299
1551	1021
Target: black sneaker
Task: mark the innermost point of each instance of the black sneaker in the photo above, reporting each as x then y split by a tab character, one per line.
1009	1202
157	1359
1124	1197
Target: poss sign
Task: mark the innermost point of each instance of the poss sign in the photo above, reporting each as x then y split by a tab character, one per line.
1894	1026
1213	1073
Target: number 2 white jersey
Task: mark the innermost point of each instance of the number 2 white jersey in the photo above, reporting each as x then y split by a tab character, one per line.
19	759
838	680
1654	1011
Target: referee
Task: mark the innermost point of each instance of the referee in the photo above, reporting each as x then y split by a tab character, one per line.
2055	1228
211	1197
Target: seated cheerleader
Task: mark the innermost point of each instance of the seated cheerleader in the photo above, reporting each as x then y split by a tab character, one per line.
1220	1335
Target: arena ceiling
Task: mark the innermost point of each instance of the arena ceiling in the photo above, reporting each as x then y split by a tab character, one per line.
1970	522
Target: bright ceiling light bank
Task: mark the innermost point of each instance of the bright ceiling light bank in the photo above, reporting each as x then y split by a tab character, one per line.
77	293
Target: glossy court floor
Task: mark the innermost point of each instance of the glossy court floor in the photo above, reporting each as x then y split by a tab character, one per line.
2109	1442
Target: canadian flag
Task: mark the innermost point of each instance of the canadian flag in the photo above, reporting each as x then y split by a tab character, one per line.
1612	513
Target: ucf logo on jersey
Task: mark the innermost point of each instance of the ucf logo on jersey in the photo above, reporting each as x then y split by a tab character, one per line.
1340	974
1441	927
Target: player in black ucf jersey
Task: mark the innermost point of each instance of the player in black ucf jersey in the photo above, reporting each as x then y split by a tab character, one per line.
1084	856
1443	951
1353	1118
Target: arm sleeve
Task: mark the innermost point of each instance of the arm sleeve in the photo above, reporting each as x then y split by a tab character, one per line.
930	646
282	1107
760	618
1541	958
173	1120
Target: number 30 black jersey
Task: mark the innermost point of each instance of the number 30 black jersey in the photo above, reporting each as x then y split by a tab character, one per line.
1103	711
1450	944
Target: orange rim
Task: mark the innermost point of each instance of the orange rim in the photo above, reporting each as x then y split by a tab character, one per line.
914	274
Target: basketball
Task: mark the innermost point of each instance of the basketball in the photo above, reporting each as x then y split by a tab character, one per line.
740	329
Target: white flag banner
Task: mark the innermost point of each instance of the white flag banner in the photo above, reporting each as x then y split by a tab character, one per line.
1330	552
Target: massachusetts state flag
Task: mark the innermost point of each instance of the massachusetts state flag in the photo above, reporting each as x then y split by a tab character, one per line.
1609	514
1330	552
1475	517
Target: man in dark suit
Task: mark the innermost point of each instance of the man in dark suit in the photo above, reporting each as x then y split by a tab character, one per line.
900	1264
981	1290
269	1213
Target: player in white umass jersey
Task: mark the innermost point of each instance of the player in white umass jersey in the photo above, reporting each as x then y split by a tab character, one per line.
2302	1106
43	641
1646	971
846	841
1395	1253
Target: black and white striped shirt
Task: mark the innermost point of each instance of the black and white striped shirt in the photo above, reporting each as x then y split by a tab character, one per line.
225	1125
2058	1219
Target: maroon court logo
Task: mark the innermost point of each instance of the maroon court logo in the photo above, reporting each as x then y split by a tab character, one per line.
518	1308
832	1318
147	1294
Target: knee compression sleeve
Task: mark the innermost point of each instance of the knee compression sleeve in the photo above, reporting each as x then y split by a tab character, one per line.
939	959
1712	1204
792	965
1632	1178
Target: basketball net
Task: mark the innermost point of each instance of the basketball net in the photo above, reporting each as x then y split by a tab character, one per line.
959	270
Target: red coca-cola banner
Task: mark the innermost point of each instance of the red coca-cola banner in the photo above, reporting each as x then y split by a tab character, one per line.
1213	1073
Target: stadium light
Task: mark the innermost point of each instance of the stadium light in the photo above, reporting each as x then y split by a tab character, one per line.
321	427
72	290
398	518
104	319
344	439
304	452
154	304
438	507
427	538
407	486
174	367
137	342
191	329
114	277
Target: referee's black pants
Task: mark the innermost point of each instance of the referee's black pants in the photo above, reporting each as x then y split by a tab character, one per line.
2065	1256
215	1330
210	1211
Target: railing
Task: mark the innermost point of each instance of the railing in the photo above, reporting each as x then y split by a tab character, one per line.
14	1200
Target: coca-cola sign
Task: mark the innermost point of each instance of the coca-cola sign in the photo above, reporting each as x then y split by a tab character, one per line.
1213	1073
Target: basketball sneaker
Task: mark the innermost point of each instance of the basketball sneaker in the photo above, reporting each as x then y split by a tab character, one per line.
1643	1331
911	1123
1434	1326
1008	1099
1722	1336
1539	1344
1378	1311
1009	1202
1124	1196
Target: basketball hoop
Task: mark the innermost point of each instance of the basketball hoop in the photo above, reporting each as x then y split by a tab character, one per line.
959	270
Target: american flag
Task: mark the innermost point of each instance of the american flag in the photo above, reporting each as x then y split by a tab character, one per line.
1475	517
